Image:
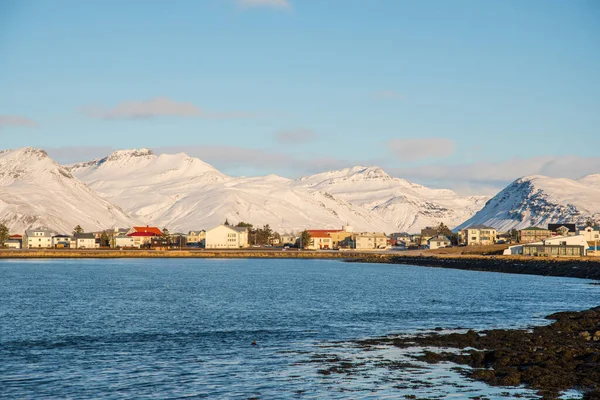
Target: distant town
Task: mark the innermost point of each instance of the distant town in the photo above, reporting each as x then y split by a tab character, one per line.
554	240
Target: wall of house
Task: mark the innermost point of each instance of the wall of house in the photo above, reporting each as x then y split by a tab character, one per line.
222	237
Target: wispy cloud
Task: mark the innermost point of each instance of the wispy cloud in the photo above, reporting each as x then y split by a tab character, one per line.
157	107
15	120
265	3
386	95
295	136
418	149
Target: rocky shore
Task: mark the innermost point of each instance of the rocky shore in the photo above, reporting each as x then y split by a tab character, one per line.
550	359
587	268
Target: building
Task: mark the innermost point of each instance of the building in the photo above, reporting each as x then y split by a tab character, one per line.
142	239
288	239
86	241
146	229
533	234
13	244
122	240
196	237
427	233
227	237
320	240
438	242
369	240
339	237
562	229
478	235
560	246
63	242
591	233
38	238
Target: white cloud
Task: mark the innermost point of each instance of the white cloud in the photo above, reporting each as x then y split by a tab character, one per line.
417	149
156	107
15	120
295	136
265	3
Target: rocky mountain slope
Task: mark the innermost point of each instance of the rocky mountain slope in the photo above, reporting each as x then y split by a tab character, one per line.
35	191
539	200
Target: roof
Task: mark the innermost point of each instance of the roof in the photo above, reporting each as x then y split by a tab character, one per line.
554	227
46	232
143	234
152	229
429	231
319	234
534	228
479	226
438	238
15	236
324	230
61	236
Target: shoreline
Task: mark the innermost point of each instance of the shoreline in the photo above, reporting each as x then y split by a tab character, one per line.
584	268
550	359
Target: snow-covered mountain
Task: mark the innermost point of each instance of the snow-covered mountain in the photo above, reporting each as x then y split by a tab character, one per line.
539	200
37	192
407	206
185	193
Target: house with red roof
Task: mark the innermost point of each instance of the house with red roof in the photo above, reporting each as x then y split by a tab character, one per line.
143	239
146	229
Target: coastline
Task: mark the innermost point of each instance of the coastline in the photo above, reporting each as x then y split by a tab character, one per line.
585	268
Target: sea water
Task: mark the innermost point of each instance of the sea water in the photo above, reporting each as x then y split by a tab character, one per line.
174	328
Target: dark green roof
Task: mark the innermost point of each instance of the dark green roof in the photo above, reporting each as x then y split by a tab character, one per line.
534	228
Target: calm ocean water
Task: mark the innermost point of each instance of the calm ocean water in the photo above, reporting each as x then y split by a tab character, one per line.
168	328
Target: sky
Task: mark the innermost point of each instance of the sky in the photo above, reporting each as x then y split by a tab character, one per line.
467	95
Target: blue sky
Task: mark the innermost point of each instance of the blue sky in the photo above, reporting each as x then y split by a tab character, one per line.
461	94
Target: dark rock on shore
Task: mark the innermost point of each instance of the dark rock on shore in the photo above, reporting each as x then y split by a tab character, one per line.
554	358
573	268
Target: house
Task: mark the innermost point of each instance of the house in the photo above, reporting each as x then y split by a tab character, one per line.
226	237
38	238
122	240
478	235
562	229
369	240
438	242
533	234
591	233
85	241
427	233
196	237
12	244
560	246
338	236
319	240
63	242
142	239
288	239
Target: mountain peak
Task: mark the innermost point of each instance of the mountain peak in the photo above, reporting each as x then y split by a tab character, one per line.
129	153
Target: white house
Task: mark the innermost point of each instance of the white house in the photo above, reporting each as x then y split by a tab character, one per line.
38	238
63	241
12	244
438	242
478	235
122	240
226	237
370	240
591	233
85	241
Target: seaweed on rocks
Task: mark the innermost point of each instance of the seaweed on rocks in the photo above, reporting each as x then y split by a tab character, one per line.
550	359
